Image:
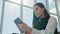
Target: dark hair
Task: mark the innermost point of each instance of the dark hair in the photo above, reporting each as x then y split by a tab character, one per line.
42	6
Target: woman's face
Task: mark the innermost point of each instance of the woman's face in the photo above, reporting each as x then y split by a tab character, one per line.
38	11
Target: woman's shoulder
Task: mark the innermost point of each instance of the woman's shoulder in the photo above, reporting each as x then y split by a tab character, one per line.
52	19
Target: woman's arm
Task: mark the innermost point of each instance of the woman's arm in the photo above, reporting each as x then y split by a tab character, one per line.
50	28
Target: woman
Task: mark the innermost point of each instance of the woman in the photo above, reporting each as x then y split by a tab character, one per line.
43	23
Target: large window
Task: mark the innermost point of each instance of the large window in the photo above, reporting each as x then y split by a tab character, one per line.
12	11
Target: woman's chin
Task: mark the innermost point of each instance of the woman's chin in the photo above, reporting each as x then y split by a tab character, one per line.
37	16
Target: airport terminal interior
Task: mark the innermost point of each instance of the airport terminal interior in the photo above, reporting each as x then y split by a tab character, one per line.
11	9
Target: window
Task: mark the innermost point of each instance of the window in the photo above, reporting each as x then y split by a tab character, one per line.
52	8
28	2
12	11
15	1
58	2
27	16
42	1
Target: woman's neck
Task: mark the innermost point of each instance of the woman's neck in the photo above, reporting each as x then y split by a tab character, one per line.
42	16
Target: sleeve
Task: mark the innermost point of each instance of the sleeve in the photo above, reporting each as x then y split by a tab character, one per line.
38	31
50	28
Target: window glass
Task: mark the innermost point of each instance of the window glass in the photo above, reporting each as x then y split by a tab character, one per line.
52	8
28	2
42	1
11	12
27	16
16	1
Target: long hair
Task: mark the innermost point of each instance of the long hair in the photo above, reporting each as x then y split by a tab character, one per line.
42	6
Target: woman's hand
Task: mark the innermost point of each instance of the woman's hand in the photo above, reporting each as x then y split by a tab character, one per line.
25	27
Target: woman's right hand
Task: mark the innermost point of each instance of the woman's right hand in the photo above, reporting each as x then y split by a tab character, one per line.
27	32
25	27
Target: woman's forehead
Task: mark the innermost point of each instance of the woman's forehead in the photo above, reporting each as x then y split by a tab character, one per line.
36	7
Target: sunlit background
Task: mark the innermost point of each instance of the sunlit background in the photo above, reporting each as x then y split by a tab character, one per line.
11	9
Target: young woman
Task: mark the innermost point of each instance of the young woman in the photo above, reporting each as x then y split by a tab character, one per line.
43	23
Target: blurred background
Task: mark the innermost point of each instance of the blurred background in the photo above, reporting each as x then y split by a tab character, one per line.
11	9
